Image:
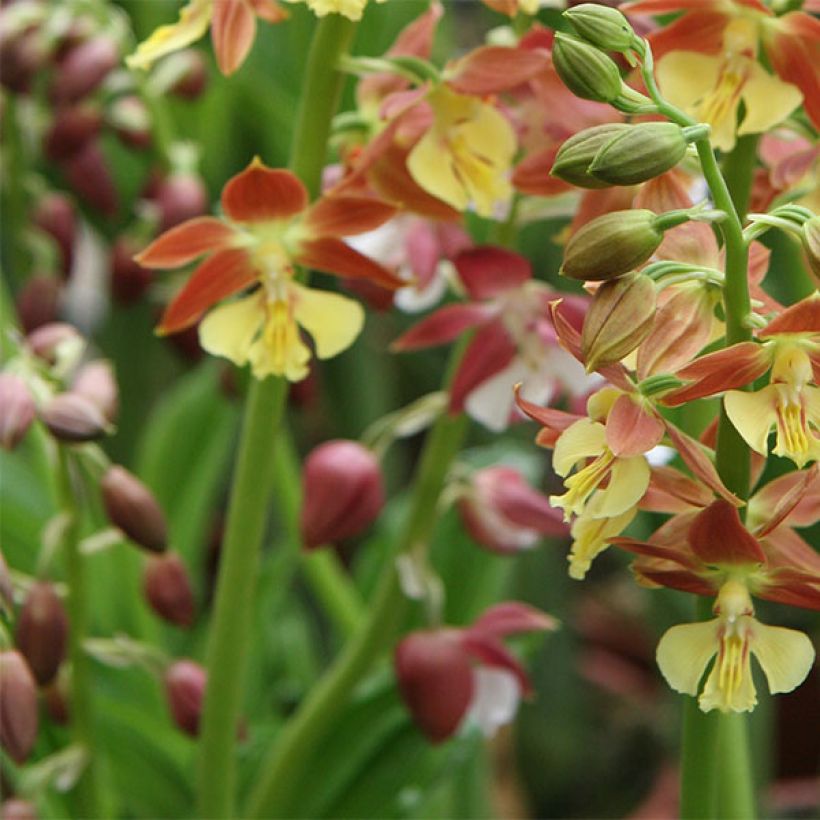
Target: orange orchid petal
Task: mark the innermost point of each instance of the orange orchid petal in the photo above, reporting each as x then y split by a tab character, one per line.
261	194
443	326
670	491
554	421
221	275
185	242
630	429
801	317
717	536
491	69
488	271
331	255
533	175
346	215
700	31
269	10
789	497
233	28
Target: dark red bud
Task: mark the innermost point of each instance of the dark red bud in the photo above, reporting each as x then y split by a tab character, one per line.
95	381
16	809
343	492
435	678
72	418
185	683
131	121
167	589
42	631
56	216
17	410
37	301
46	340
21	56
131	506
82	68
192	74
88	175
56	697
18	706
180	197
70	131
129	280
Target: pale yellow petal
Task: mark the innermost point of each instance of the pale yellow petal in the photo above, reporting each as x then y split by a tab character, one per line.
332	320
628	480
591	537
193	22
683	653
229	329
686	77
352	9
753	415
279	350
785	655
582	439
768	101
742	697
430	165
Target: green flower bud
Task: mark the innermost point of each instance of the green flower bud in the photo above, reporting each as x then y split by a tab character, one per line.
612	245
585	70
602	26
811	243
575	156
639	153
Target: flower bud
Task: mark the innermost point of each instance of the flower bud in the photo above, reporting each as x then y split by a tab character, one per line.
95	381
37	301
23	54
576	154
185	683
129	279
6	588
16	809
42	631
55	215
435	679
190	73
89	176
180	196
619	319
585	70
18	706
604	27
83	68
611	245
17	410
811	243
72	418
54	341
131	506
343	492
131	120
639	153
71	129
168	590
56	696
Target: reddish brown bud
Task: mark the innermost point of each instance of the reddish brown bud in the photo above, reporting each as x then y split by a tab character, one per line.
73	418
180	196
47	341
343	492
95	381
18	706
131	121
185	683
42	631
56	697
22	55
71	129
129	280
167	588
83	68
18	810
88	175
435	678
6	588
131	506
56	216
37	301
191	74
17	410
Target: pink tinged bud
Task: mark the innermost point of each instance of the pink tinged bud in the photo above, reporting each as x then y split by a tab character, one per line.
18	706
504	514
22	56
167	589
18	810
56	216
89	176
17	410
37	301
56	697
131	506
71	129
73	419
185	683
343	492
95	381
129	280
42	631
83	68
435	679
47	340
131	121
191	73
180	197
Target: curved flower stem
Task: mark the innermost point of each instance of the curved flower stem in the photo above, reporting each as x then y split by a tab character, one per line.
82	707
281	772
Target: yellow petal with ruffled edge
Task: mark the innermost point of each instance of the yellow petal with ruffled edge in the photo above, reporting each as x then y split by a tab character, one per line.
768	101
193	22
628	480
279	350
582	439
591	537
229	330
683	653
431	166
753	415
332	320
785	655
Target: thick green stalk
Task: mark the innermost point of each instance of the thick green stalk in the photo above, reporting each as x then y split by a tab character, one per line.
232	619
81	693
736	793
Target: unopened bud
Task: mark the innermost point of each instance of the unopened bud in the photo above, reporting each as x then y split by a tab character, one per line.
131	120
185	683
587	72
17	410
83	68
55	341
180	196
18	706
56	696
131	506
343	492
42	631
811	243
72	418
639	153
435	679
576	154
619	319
612	245
37	301
129	279
16	809
71	129
6	588
604	27
90	177
95	381
56	216
190	73
167	589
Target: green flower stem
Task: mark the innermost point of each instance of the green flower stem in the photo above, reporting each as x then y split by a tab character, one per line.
231	623
736	793
81	700
736	171
17	262
282	771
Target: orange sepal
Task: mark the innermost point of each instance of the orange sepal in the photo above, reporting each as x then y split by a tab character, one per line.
331	255
533	174
492	69
261	194
186	242
233	29
221	275
346	215
801	317
717	536
269	10
631	429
